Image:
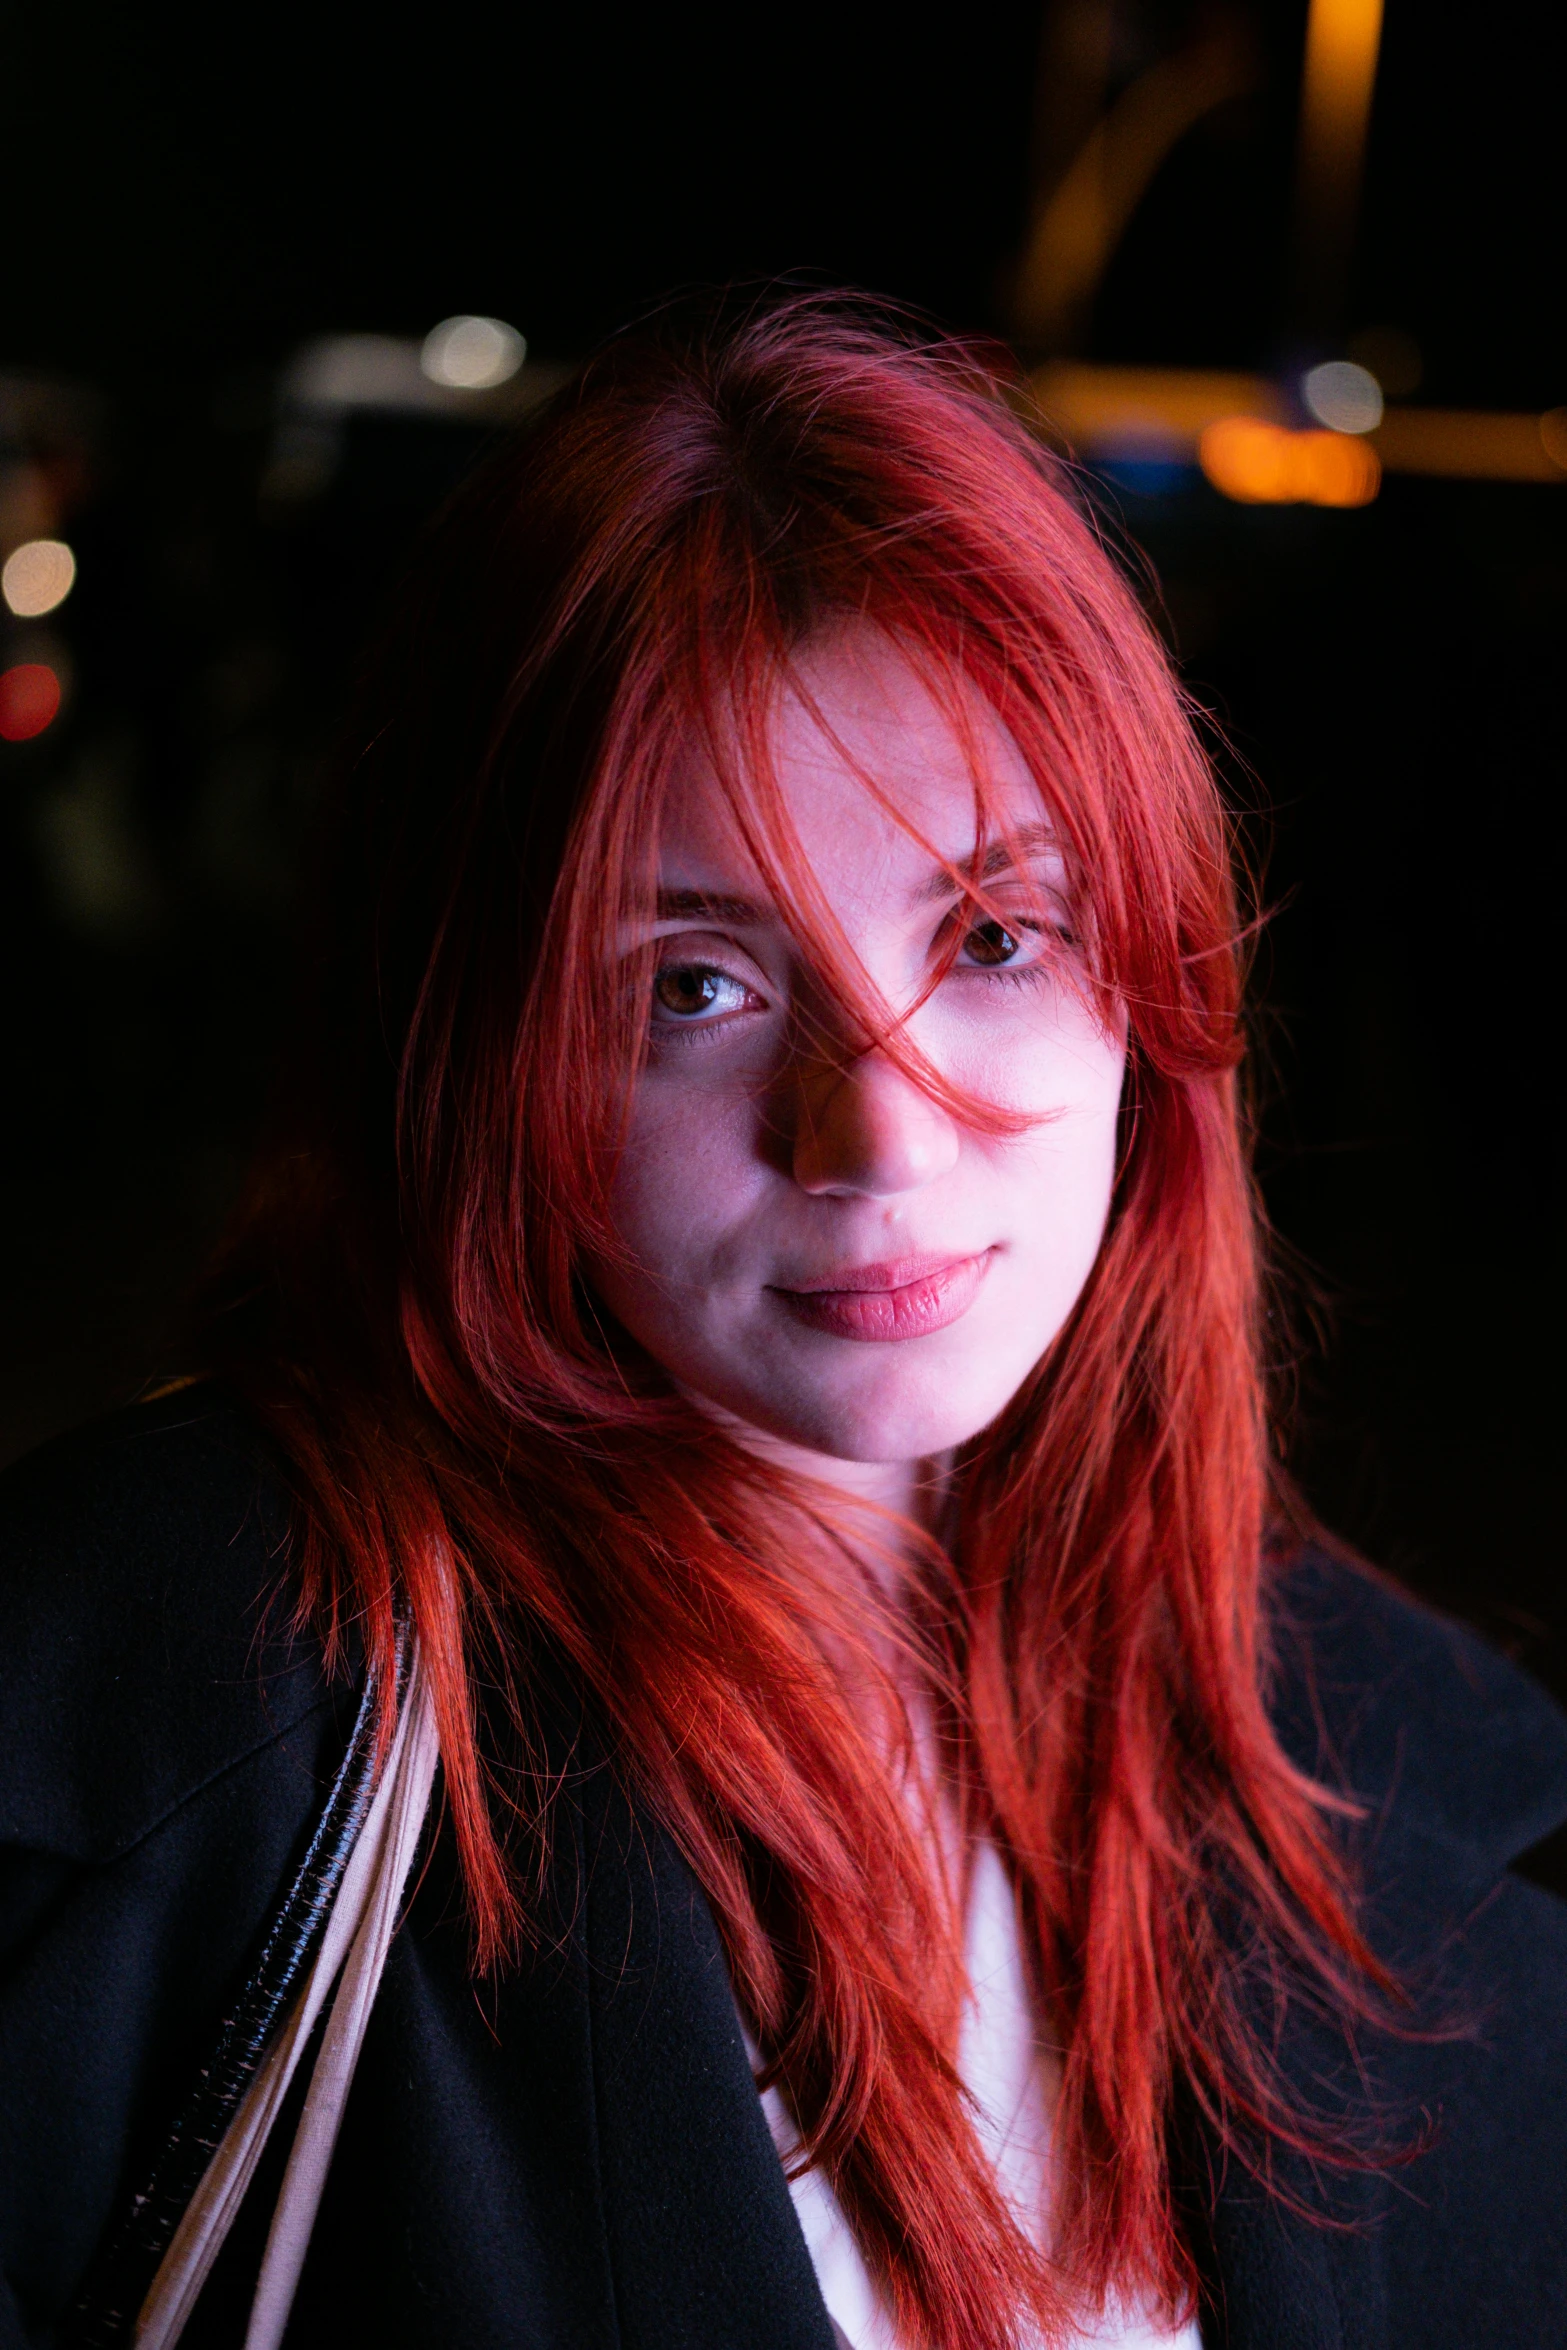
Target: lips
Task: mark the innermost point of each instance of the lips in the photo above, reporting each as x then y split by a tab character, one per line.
909	1299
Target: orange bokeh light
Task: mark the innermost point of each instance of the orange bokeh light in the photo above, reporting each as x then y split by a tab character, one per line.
1262	464
29	700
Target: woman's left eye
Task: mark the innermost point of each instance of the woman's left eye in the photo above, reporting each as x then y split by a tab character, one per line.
992	945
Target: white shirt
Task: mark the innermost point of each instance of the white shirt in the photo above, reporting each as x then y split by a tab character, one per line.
1013	2080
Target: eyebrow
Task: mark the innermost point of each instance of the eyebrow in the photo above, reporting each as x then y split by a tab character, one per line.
1002	856
696	905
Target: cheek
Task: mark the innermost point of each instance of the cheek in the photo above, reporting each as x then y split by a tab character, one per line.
685	1171
1051	1061
1033	1047
1064	1174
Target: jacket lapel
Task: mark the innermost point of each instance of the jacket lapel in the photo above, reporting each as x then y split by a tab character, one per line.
705	2249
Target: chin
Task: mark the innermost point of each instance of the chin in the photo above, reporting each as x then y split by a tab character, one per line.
880	1427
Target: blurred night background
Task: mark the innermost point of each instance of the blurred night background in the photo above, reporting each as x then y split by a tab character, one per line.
229	237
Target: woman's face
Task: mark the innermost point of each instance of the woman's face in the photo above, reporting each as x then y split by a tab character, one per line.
819	1248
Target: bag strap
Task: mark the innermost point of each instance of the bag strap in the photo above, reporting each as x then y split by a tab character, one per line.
358	1935
117	2282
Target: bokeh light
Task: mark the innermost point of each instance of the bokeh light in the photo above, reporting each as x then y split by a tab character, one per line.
29	700
37	576
1261	464
472	354
1343	396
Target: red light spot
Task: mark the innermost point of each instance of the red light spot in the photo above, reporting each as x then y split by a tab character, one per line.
29	698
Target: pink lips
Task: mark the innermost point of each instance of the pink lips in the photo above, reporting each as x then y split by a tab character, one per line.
904	1300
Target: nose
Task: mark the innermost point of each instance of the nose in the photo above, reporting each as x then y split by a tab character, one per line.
868	1129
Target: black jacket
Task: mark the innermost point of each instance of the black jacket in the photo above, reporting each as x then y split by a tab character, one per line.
577	2159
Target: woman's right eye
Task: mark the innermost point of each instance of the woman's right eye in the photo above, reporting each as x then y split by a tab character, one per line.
686	993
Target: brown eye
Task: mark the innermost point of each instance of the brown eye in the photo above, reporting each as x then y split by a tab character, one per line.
687	991
991	943
686	988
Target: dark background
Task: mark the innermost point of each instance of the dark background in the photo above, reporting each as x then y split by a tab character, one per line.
188	198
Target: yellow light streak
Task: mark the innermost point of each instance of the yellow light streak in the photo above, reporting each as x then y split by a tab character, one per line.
1085	219
1337	80
1102	411
1093	407
1469	445
1342	38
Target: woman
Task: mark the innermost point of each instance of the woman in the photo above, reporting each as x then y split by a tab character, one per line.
749	1341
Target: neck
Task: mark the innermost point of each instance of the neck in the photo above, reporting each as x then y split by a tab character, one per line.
909	1489
915	1490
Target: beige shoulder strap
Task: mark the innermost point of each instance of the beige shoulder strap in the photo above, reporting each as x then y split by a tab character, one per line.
358	1935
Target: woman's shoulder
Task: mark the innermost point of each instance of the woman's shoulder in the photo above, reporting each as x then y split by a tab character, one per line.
142	1649
1449	1746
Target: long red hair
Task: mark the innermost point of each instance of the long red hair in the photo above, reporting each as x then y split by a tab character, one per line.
405	1304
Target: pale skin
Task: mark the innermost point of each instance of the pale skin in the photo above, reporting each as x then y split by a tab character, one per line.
850	1275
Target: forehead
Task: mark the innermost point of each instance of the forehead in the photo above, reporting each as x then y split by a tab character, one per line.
875	774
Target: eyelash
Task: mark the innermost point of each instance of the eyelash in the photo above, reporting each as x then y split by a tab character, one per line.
1026	975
